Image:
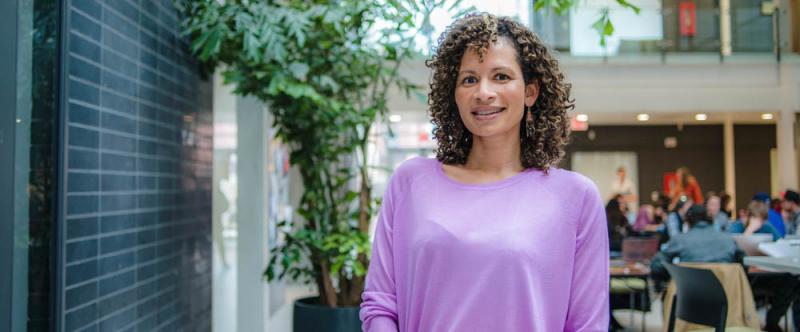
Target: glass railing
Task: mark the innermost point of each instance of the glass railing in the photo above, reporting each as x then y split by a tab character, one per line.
668	31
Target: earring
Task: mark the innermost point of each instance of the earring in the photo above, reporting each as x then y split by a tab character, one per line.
529	129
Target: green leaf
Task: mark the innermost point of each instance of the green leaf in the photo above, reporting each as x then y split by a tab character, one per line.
603	26
626	4
251	47
299	70
337	266
212	46
328	82
351	195
359	269
608	30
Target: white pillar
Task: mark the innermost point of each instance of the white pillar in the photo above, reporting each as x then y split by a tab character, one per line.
223	305
725	27
730	161
787	154
785	128
252	291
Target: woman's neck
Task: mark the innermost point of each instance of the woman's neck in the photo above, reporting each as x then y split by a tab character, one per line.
495	155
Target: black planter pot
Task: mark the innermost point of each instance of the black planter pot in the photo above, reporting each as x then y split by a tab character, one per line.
310	316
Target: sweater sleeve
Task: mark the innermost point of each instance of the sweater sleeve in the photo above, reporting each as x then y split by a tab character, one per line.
379	301
588	302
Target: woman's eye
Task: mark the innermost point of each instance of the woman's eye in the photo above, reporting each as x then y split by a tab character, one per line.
469	80
501	77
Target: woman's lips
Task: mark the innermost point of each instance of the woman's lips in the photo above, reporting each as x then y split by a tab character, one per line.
492	114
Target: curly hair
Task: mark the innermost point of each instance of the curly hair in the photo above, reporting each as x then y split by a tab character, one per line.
477	31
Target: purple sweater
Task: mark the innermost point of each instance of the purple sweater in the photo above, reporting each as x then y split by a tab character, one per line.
526	253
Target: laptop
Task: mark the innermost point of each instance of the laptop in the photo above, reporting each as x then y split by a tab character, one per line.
749	243
781	248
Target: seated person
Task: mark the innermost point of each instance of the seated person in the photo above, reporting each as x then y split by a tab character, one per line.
675	219
791	207
755	222
618	227
719	219
700	244
773	217
644	219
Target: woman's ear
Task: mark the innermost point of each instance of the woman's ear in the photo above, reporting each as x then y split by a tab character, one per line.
531	93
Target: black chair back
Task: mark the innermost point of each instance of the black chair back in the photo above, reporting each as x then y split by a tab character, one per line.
699	298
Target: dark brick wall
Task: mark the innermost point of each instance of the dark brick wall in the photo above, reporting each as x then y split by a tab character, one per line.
137	172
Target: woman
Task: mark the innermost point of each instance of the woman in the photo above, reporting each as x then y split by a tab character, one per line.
489	235
714	207
755	221
618	227
645	219
686	185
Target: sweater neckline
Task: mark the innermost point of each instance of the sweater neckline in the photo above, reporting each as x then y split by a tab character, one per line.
480	186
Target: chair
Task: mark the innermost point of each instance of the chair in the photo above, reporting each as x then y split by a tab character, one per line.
699	299
741	311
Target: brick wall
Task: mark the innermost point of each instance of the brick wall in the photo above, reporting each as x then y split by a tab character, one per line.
136	195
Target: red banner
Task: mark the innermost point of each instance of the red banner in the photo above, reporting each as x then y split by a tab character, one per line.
686	18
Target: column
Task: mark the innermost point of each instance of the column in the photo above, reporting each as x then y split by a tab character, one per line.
725	27
787	154
730	161
252	291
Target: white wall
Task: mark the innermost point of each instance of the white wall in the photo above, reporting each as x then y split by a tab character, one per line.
585	41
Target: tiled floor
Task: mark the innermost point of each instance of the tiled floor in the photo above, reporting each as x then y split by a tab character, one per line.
652	319
225	292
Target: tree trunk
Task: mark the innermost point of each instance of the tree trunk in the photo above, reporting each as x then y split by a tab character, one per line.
327	293
357	284
364	202
353	296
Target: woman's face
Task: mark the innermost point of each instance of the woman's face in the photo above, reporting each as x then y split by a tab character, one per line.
491	94
712	206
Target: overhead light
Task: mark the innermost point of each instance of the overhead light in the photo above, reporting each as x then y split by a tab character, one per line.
395	118
766	116
582	117
701	117
643	117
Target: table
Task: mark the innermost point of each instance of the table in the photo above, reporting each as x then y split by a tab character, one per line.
778	264
621	269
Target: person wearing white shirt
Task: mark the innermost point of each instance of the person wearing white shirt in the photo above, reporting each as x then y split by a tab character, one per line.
625	187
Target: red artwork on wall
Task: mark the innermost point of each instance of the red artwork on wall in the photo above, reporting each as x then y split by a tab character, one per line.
687	19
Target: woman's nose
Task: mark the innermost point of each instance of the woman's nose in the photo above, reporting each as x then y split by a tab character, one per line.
486	92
